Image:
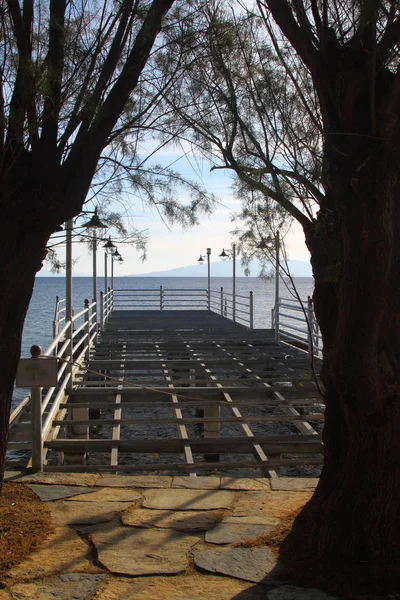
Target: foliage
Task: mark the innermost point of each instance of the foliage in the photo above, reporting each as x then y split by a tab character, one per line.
70	83
248	104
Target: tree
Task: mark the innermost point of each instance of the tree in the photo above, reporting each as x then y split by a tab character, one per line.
76	91
306	93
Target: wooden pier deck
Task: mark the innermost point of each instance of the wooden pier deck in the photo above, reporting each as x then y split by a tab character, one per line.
188	392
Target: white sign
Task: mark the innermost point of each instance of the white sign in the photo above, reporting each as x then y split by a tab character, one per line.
38	372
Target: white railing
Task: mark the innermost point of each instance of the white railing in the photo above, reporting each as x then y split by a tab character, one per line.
59	315
106	306
238	308
75	339
295	322
72	346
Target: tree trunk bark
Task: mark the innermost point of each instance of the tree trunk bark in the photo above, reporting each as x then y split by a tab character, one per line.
21	258
353	519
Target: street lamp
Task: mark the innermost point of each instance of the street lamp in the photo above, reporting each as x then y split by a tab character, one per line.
225	254
94	223
201	261
115	256
109	248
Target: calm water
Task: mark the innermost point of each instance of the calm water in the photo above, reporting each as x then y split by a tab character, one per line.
38	326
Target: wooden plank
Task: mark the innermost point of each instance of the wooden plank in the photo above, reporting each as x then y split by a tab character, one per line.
236	445
116	432
179	467
181	421
181	427
198	403
167	364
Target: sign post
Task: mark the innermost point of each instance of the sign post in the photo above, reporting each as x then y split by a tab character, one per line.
35	373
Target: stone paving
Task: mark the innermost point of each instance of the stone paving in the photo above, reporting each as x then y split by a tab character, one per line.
127	537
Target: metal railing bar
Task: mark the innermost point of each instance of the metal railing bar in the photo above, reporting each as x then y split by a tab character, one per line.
57	339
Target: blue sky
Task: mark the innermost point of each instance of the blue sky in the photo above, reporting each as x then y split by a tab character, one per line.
173	247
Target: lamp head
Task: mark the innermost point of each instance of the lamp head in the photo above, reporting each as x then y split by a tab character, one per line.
109	246
94	222
224	255
200	260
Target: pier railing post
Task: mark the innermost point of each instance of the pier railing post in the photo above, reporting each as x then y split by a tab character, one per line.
251	311
37	442
101	312
87	331
96	319
226	307
108	303
36	420
56	318
161	297
222	301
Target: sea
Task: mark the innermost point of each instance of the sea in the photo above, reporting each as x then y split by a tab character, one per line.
39	320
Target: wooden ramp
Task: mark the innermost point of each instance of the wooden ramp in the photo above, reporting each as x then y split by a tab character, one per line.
189	392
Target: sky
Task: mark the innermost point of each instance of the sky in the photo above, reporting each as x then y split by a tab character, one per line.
171	247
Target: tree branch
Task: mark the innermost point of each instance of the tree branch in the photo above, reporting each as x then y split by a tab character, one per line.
90	143
54	64
389	39
299	36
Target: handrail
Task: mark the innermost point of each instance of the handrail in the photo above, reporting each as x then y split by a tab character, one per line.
75	346
307	336
72	344
236	307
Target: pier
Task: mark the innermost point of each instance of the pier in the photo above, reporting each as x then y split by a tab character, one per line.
169	383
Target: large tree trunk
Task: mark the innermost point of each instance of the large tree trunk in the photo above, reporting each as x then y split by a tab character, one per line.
21	257
353	519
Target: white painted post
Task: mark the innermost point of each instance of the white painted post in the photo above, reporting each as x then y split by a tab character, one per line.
101	312
37	446
251	311
222	301
56	318
277	274
36	416
105	272
108	303
209	279
87	331
234	282
68	296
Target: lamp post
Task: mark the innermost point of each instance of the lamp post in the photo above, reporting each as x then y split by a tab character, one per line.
201	261
68	295
94	223
225	254
109	248
114	256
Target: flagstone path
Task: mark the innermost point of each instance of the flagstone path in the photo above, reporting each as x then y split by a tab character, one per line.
147	538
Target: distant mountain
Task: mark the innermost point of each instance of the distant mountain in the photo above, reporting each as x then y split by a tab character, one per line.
298	268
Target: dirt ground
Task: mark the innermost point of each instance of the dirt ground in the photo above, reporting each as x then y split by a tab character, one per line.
24	523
